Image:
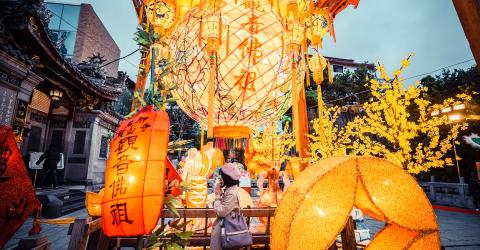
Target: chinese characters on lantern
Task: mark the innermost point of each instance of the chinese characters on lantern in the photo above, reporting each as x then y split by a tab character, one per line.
118	186
251	48
135	174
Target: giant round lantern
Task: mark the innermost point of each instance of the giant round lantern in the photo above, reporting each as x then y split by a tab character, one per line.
252	71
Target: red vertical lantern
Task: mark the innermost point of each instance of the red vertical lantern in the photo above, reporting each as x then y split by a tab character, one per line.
173	175
17	197
135	174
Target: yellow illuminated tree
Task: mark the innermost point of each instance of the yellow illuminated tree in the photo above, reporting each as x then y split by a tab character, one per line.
269	148
328	138
397	125
271	145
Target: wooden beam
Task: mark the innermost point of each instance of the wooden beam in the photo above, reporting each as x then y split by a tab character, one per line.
469	14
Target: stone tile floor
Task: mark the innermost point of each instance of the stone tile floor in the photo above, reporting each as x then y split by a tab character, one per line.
459	231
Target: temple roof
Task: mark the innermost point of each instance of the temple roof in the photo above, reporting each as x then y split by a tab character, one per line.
28	40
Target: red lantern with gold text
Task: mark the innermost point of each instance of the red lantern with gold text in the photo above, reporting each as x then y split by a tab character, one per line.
135	174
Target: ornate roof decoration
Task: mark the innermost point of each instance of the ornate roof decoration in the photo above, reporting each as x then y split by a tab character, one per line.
26	21
93	70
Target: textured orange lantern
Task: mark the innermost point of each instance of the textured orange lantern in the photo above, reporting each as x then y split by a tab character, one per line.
316	206
135	174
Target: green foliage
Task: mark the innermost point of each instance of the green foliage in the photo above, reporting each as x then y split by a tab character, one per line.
145	38
451	83
347	88
173	235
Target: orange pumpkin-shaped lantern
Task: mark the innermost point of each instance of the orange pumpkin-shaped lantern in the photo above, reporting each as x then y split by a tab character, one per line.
135	174
315	208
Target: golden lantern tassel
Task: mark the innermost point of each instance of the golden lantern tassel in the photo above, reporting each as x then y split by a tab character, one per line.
296	123
305	44
202	134
227	46
211	95
320	101
140	15
220	30
330	75
307	71
155	12
200	31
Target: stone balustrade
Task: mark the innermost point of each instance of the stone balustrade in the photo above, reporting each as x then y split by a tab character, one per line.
449	194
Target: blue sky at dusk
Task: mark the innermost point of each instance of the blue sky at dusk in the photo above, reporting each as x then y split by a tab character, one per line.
377	31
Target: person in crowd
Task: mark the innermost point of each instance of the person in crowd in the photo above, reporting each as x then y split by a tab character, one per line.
226	200
50	159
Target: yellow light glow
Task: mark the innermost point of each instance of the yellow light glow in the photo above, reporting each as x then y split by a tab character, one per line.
454	118
446	110
459	107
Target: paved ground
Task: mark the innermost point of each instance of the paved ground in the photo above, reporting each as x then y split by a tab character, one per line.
57	234
459	231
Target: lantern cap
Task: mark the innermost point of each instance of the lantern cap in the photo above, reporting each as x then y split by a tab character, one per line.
232	132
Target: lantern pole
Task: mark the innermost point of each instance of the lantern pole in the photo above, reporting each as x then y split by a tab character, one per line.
139	242
211	94
213	31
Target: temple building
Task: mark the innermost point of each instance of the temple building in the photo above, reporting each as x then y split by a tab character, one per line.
53	86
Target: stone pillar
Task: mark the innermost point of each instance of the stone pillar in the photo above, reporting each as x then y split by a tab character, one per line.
432	188
469	14
461	192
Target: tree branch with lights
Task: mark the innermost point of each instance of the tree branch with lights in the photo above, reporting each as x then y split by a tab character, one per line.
397	124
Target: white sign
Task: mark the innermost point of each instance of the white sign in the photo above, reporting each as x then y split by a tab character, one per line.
34	156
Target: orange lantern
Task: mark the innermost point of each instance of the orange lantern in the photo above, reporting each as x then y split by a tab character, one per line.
135	174
316	206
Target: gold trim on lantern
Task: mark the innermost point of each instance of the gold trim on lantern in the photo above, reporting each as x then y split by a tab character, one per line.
232	132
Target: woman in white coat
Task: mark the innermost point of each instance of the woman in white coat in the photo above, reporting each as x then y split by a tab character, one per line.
226	200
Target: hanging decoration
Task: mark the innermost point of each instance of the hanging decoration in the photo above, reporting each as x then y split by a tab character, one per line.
93	203
252	78
17	197
318	24
317	65
135	174
230	138
161	14
306	219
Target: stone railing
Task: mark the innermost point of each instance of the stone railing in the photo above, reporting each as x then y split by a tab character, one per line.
450	194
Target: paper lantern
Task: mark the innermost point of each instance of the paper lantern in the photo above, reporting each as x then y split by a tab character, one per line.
93	203
135	174
161	13
17	196
294	36
318	24
315	208
253	72
292	9
317	64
